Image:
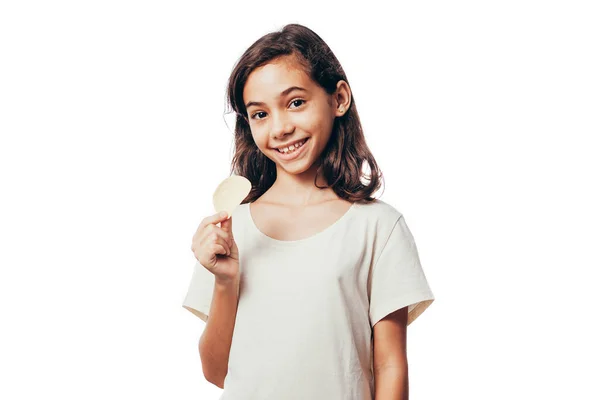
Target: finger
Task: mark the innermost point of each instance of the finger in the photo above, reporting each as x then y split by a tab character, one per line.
225	247
212	219
215	238
212	230
226	225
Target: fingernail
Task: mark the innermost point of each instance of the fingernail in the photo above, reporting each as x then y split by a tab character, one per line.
223	213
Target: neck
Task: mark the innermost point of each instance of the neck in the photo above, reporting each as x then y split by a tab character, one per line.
299	189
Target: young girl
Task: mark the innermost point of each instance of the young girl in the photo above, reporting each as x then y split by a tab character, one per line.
311	283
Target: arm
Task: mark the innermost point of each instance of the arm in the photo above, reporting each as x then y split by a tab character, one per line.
215	342
390	364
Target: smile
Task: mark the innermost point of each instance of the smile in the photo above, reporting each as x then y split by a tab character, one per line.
296	150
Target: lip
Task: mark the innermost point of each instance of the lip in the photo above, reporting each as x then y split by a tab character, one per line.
295	154
290	143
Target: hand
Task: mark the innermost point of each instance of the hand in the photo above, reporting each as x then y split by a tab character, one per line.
215	248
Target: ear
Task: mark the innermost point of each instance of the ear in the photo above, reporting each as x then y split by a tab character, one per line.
342	98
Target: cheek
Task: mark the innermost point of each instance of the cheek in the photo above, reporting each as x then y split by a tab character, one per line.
321	128
313	123
260	140
322	120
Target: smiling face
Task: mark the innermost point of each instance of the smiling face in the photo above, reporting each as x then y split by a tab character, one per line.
285	106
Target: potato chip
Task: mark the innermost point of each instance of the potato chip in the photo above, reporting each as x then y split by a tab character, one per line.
230	193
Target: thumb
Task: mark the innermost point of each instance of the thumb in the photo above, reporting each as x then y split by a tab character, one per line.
226	225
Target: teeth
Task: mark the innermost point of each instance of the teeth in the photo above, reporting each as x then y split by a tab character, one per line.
291	148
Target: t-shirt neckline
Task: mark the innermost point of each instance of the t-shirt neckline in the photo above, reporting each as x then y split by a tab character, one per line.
290	243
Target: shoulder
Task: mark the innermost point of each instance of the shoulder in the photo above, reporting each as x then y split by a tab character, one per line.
239	211
383	214
375	222
239	220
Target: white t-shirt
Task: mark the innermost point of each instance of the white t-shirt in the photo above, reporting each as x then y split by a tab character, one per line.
307	307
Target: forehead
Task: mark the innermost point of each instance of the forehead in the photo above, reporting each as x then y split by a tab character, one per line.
268	81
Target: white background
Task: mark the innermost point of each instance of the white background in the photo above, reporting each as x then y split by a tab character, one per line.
483	117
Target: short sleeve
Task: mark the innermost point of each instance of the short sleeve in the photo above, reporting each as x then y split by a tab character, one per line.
200	292
397	278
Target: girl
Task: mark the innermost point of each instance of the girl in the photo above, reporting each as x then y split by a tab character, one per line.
311	283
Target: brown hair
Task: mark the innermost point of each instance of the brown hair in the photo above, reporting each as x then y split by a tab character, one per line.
343	157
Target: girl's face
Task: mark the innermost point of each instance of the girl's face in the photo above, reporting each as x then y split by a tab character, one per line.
285	107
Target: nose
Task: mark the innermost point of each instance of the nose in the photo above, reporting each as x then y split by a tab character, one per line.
280	125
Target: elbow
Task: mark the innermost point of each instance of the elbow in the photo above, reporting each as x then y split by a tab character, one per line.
211	370
211	374
219	384
218	381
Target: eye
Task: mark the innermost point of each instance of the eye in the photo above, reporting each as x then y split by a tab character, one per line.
255	114
298	100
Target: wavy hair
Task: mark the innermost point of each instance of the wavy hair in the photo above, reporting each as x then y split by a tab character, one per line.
342	159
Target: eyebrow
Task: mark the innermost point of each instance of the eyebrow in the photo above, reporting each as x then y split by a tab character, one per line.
285	92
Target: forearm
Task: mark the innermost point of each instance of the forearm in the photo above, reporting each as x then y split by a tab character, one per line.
216	339
391	383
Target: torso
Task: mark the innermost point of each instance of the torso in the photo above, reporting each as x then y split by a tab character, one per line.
286	223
